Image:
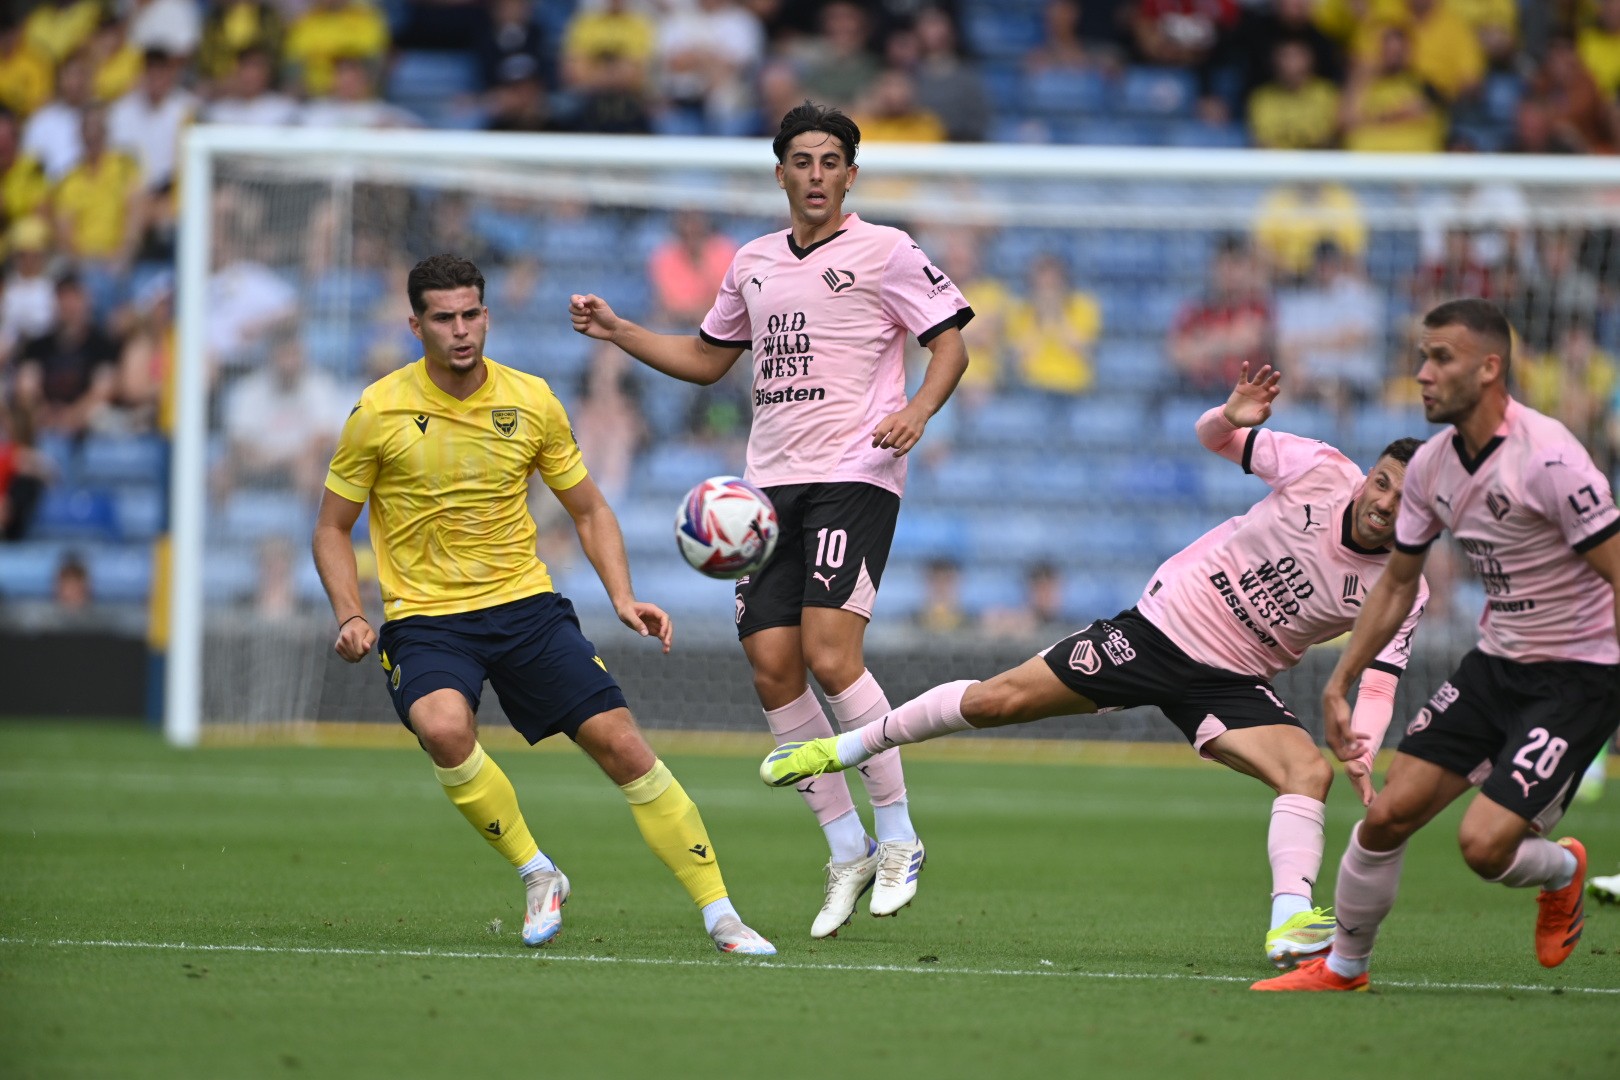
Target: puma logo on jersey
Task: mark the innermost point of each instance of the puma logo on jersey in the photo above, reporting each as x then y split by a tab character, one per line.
421	422
1308	522
759	282
1442	500
827	581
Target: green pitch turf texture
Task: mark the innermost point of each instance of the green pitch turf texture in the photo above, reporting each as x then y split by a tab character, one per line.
324	912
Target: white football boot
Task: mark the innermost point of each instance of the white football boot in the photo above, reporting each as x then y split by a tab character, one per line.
731	936
542	917
899	863
847	882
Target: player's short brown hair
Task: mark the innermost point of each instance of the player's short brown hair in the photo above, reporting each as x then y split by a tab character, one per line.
1483	318
813	117
443	271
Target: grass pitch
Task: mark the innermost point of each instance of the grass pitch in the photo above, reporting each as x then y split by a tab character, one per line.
325	913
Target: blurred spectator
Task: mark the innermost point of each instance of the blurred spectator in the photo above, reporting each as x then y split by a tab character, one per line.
608	422
707	55
1298	109
686	270
66	376
1572	382
353	102
147	121
99	205
1562	291
28	298
517	101
1230	325
511	34
1580	119
148	357
1041	610
232	27
1285	22
169	26
1061	45
941	611
1445	51
1493	214
1330	334
1295	219
1193	34
53	133
330	30
281	422
1053	332
250	95
24	186
1495	23
70	589
889	112
275	590
837	67
607	61
948	85
23	474
115	63
245	297
779	92
1389	106
25	70
1599	46
59	28
960	252
718	417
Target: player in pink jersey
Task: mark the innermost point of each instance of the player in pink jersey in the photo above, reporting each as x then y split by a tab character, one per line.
1526	710
825	305
1215	623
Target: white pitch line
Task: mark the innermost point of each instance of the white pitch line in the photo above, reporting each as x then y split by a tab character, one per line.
774	965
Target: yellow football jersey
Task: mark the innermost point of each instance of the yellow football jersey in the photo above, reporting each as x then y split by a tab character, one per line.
448	482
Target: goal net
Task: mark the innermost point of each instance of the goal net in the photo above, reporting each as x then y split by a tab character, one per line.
1116	290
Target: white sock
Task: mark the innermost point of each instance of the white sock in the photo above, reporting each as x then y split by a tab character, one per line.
1348	969
713	913
851	752
1566	875
893	822
1285	906
846	836
539	862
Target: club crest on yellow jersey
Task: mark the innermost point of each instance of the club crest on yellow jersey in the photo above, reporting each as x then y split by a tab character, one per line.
505	420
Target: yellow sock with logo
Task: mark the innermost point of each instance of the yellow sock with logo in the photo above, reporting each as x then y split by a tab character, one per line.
485	797
671	825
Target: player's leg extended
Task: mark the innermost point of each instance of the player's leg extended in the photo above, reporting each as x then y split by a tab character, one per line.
1414	792
670	824
1500	846
1286	759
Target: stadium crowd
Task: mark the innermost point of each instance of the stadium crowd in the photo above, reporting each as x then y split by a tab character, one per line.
95	97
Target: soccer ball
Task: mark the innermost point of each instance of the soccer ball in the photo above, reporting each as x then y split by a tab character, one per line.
726	527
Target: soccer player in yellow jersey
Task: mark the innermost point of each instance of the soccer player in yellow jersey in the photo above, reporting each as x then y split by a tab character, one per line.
444	448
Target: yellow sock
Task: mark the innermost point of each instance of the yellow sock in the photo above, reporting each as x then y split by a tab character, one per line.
485	797
671	825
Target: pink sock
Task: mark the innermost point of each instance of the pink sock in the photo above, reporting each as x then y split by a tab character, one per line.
1537	862
1294	844
856	707
801	720
934	713
1368	881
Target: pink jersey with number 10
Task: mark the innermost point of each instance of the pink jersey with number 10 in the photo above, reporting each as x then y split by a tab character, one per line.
827	325
1524	511
1253	593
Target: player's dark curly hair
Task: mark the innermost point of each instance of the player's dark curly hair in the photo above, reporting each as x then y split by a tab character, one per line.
813	117
1483	318
444	271
1401	450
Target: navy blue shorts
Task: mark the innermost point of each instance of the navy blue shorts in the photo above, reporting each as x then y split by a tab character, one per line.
546	675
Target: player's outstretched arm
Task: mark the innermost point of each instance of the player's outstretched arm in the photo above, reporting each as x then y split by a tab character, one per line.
1383	610
1249	405
334	560
902	430
1375	705
603	543
688	358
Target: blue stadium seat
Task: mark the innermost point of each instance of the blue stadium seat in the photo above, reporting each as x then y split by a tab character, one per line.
120	574
990	585
673	470
1145	478
1004	84
111	459
76	513
230	573
1310	421
1107	131
139	511
1156	91
999	34
1502	93
1228	490
967	475
1197	135
1178	421
28	569
425	77
930	531
1106	421
1011	420
1097	596
1063	92
1131	366
1018	129
252	514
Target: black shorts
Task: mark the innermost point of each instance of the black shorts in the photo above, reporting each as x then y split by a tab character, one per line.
1126	661
1524	731
545	673
833	546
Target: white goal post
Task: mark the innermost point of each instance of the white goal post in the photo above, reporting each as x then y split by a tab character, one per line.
1059	192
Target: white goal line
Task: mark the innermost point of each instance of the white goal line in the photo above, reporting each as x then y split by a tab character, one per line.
921	968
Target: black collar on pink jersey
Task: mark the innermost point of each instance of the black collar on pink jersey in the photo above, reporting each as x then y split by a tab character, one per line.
1471	467
1347	535
802	252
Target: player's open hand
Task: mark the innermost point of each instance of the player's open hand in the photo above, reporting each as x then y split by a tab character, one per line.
1360	773
1251	399
355	639
900	431
592	316
648	620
